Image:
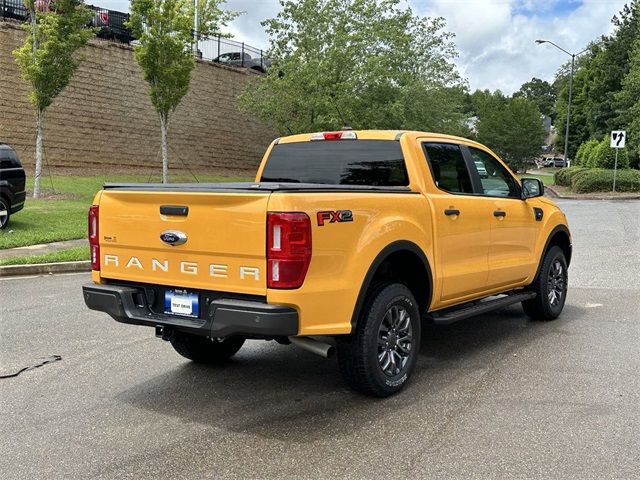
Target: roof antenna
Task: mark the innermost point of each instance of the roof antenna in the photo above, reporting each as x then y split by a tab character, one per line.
345	125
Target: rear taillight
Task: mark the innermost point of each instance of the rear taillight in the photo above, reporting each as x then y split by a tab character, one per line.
94	243
288	249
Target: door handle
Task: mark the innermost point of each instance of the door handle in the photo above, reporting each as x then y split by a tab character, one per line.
451	211
178	210
499	213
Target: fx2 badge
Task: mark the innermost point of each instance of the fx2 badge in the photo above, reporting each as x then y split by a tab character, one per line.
334	216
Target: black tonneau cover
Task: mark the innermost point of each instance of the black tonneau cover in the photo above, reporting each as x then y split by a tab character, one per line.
247	187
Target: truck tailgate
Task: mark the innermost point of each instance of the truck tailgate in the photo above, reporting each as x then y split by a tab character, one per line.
225	239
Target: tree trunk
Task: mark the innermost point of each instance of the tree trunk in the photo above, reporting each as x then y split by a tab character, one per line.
38	173
39	112
165	154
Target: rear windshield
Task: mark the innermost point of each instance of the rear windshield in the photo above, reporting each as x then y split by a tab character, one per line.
338	162
8	157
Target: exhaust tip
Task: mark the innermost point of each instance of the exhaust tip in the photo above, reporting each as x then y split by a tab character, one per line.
323	349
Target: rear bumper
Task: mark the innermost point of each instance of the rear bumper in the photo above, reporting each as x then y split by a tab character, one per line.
17	203
221	317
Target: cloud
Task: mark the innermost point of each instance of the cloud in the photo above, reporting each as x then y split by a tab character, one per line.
495	38
247	28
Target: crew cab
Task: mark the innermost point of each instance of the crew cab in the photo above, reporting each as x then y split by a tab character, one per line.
12	184
346	241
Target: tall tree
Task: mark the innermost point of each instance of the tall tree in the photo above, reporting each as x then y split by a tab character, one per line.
368	63
484	101
164	31
514	130
599	76
47	60
541	93
628	100
581	126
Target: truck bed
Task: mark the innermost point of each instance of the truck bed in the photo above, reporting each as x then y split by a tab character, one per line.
247	187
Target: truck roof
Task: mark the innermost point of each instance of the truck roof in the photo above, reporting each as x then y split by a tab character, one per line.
382	135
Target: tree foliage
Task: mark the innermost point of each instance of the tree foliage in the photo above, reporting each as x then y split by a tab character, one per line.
164	31
540	92
211	17
629	103
367	63
47	58
484	101
584	153
513	129
598	105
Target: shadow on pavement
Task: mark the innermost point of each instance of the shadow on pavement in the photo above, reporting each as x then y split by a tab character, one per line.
284	393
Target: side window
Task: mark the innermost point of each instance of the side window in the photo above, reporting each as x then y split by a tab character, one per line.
448	167
495	179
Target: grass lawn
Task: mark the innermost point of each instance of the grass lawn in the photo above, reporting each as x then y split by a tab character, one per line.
70	255
546	179
62	212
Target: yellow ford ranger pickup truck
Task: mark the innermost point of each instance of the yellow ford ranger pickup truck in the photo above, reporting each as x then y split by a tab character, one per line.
346	242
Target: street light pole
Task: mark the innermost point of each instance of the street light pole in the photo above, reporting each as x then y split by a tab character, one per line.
566	131
573	61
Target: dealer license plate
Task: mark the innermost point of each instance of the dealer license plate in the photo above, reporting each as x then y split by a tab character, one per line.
181	302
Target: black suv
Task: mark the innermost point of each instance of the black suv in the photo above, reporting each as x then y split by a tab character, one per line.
12	184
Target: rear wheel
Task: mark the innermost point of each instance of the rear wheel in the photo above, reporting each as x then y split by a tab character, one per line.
378	358
4	213
550	287
205	350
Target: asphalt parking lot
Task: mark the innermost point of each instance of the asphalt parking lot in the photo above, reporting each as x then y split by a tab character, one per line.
496	396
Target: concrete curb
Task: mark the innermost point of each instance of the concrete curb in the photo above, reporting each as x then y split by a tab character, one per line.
45	268
555	194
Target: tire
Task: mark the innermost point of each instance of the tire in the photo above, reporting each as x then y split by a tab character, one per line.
205	350
5	213
376	342
550	286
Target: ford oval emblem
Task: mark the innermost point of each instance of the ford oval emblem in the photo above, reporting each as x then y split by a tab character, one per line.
173	237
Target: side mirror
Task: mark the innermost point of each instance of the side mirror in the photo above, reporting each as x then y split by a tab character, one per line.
532	187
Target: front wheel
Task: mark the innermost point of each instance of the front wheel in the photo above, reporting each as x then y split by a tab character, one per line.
205	350
550	286
378	357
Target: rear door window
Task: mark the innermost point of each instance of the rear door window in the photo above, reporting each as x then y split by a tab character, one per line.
338	162
448	168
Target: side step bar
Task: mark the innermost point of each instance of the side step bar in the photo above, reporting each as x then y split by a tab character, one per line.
451	315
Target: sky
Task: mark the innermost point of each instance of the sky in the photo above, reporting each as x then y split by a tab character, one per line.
495	39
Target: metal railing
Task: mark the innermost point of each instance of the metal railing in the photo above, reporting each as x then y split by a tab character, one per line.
14	9
109	22
233	53
111	26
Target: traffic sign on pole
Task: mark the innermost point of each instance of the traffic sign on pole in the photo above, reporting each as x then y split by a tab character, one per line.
618	138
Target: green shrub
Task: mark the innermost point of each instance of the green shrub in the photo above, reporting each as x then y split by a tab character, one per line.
601	180
584	152
603	156
591	156
563	176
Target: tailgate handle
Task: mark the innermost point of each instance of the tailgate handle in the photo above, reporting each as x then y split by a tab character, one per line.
177	210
